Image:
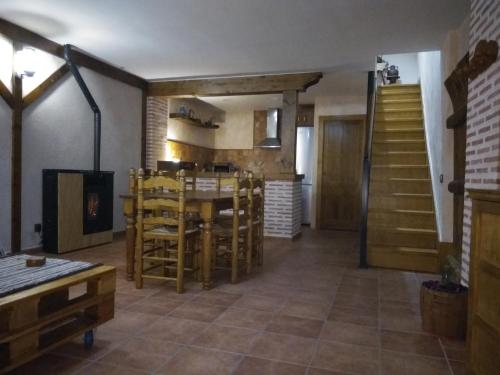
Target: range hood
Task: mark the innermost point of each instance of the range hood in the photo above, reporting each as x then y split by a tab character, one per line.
272	139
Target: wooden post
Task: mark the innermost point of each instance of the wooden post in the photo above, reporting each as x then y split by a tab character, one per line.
236	228
129	211
16	165
144	123
288	130
139	237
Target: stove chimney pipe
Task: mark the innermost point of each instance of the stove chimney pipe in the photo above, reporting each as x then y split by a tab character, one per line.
93	105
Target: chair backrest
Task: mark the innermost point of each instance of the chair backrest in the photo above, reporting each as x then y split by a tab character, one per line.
153	210
189	175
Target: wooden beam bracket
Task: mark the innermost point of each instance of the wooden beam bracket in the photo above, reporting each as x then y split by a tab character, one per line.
245	85
43	87
6	95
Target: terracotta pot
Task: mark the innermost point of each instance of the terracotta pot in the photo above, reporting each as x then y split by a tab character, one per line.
444	313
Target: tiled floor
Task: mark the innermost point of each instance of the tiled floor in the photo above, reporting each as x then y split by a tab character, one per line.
308	311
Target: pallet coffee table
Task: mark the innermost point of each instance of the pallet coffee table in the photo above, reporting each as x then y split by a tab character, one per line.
44	307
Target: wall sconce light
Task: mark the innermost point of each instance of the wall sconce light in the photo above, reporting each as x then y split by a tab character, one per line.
24	62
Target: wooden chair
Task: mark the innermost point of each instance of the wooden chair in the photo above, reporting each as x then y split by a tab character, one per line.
190	178
258	185
161	220
231	233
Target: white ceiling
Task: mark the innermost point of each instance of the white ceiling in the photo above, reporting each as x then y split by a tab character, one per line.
188	38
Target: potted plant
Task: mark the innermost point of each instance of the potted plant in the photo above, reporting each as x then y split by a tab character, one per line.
443	303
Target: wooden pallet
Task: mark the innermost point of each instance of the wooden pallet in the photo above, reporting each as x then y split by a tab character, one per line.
37	320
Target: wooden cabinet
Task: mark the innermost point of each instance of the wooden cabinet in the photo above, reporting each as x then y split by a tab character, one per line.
483	333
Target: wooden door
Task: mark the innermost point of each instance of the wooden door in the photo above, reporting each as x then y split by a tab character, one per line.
483	335
340	169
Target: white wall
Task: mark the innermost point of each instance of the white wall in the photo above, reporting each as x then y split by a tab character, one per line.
331	106
6	53
5	170
438	141
58	133
407	64
236	132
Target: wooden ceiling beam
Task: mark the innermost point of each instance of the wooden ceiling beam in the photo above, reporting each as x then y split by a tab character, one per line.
45	85
6	95
246	85
27	37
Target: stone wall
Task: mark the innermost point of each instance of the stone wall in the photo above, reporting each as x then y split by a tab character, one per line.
483	119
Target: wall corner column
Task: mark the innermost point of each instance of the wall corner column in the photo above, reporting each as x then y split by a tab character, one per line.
288	129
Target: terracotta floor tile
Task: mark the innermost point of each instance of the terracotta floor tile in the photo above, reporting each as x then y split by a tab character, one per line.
292	325
197	361
275	346
154	306
458	367
319	371
301	284
130	322
414	343
198	311
348	358
398	320
261	303
104	341
455	349
141	353
355	301
354	316
302	309
175	330
215	297
245	318
231	339
97	368
258	366
351	334
394	363
124	299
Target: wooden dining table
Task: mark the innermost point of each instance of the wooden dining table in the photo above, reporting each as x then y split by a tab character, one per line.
205	203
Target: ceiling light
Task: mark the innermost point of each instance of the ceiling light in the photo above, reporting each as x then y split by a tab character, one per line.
24	62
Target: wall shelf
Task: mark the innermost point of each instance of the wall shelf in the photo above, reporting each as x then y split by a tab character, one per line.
192	121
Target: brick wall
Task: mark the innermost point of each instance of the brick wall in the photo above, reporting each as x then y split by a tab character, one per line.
483	118
283	208
156	130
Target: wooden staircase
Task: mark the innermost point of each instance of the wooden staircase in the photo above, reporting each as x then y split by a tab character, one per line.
401	220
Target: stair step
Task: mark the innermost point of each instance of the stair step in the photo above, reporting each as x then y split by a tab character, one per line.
402	218
400	157
390	133
401	201
399	89
401	185
404	258
399	96
398	145
415	115
399	171
400	236
414	123
398	101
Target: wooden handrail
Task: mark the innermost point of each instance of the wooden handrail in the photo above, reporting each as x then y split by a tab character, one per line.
370	123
